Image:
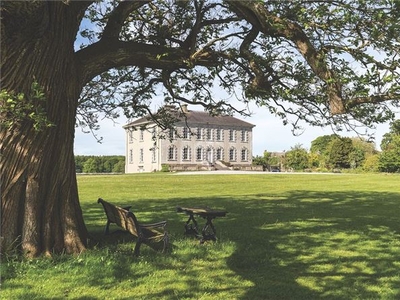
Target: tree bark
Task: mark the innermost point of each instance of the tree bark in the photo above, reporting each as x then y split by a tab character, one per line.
40	210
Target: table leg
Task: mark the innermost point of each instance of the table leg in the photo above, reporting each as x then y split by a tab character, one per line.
208	232
191	228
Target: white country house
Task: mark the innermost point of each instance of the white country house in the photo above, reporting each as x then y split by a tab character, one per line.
199	141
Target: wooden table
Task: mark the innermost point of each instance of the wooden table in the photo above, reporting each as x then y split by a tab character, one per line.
208	232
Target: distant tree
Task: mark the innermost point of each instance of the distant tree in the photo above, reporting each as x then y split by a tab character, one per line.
79	161
340	151
109	163
297	158
267	160
394	130
119	167
100	164
361	150
367	147
320	148
322	143
356	158
261	160
93	165
276	161
371	163
315	160
389	160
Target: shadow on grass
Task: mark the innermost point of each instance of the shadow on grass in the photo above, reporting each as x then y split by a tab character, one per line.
312	245
298	245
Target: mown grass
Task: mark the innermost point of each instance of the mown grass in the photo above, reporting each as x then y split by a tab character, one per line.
286	236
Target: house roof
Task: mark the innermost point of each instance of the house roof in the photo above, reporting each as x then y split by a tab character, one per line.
196	118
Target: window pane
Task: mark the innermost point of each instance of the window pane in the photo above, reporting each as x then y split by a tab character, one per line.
244	136
185	132
141	134
171	134
219	154
171	153
218	134
209	134
231	135
199	137
231	154
199	153
186	153
244	155
141	155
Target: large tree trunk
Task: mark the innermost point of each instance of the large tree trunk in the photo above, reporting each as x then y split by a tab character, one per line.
40	211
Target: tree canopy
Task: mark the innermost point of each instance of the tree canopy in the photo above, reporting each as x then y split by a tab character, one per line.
297	158
327	63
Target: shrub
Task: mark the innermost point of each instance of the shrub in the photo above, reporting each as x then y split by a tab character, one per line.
164	168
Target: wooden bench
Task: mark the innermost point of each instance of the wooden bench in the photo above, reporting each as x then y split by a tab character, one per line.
148	234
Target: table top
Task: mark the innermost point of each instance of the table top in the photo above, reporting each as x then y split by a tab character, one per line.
202	211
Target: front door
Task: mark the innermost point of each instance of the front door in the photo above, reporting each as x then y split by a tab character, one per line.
210	157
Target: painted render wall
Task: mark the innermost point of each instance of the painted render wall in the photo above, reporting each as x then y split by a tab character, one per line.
155	152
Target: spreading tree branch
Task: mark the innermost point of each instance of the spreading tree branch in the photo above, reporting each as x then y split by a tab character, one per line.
118	16
102	56
258	15
374	99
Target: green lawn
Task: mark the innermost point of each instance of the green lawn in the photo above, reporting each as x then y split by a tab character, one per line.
286	236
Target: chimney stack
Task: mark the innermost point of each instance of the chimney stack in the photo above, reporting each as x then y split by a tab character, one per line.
169	107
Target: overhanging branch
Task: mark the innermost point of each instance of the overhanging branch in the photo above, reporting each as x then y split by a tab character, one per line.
375	99
274	26
102	56
118	16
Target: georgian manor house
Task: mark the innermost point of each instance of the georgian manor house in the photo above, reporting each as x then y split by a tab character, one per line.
198	141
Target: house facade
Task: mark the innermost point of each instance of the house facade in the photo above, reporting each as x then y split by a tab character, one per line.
198	141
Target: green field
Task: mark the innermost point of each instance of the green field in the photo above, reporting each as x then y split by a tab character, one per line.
286	236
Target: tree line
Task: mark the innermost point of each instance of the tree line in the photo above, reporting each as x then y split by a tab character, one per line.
335	153
99	164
